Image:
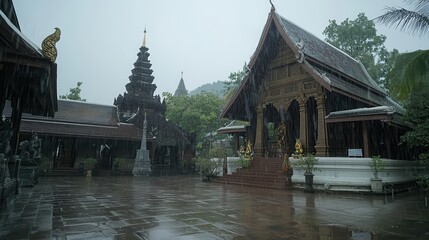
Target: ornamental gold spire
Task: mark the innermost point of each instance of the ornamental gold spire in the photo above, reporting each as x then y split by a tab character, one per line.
48	45
144	38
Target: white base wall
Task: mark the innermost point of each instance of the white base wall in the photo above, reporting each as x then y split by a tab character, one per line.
354	174
232	165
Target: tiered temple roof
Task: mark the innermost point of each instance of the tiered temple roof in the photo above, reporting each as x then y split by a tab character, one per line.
139	100
140	89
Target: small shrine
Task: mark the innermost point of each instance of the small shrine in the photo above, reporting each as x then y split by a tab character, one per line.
142	165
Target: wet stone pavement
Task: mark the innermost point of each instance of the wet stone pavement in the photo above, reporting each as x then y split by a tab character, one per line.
184	207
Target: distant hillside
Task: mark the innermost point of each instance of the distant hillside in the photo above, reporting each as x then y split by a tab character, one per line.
217	88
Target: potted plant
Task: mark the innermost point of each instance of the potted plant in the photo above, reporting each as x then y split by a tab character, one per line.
207	167
377	164
307	164
88	165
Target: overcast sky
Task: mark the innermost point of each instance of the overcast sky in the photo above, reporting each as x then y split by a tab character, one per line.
206	39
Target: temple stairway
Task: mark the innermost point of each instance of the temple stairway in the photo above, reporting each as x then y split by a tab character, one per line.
264	173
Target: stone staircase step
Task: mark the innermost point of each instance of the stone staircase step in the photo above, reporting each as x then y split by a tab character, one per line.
263	172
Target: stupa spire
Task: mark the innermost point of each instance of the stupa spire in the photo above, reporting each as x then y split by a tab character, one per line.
181	89
144	38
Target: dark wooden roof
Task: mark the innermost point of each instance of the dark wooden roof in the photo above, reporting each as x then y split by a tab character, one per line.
362	114
120	132
326	54
25	72
70	111
330	67
80	119
233	127
6	6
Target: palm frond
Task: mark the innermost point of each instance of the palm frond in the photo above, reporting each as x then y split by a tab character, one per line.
418	4
417	23
410	71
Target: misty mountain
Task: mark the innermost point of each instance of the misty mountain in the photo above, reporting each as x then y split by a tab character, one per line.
217	88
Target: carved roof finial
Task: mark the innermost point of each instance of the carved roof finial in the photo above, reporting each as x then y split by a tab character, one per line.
272	6
48	45
144	38
182	75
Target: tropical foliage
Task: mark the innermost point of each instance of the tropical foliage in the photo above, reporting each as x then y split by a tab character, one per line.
74	93
360	40
377	164
416	21
209	162
418	115
307	163
232	84
411	70
197	114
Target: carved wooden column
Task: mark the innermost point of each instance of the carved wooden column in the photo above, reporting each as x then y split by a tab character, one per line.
302	100
259	140
321	143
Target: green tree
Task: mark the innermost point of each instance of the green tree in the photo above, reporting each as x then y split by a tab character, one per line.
74	93
411	70
359	39
418	115
233	83
197	113
234	80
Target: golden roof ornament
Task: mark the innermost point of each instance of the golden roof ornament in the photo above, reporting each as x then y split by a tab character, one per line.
48	45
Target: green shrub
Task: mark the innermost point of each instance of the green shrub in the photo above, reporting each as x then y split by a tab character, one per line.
88	163
244	162
207	167
307	163
123	163
377	164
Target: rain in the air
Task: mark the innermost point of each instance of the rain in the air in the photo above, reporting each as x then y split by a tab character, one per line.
222	119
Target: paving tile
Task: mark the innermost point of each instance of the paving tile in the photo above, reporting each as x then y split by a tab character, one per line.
183	207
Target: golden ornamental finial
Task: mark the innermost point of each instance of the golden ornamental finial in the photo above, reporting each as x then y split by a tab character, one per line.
48	45
144	38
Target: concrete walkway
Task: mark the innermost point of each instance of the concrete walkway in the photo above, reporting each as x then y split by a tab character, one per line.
186	208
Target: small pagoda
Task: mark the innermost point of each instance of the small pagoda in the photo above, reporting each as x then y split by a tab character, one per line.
181	89
167	142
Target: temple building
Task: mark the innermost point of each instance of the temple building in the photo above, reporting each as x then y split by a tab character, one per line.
298	87
181	89
28	84
323	96
170	147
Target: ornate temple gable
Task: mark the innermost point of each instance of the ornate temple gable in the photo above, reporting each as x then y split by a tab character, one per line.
287	79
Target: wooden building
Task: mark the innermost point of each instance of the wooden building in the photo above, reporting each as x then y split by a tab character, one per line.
323	96
82	130
28	78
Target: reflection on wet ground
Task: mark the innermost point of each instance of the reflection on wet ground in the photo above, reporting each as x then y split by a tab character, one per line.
186	208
